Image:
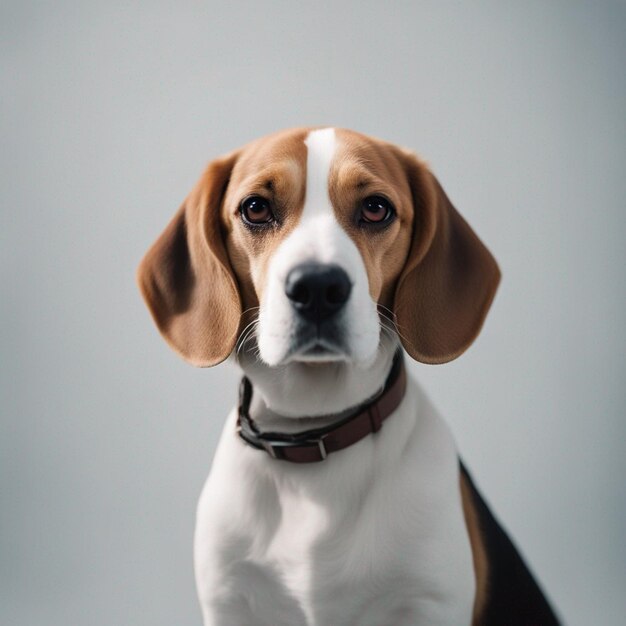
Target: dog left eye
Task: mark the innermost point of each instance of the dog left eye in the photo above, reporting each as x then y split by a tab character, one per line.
376	210
256	210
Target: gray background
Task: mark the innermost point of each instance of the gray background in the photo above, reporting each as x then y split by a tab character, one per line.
109	113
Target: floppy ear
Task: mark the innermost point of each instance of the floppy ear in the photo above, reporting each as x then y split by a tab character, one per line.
449	279
186	278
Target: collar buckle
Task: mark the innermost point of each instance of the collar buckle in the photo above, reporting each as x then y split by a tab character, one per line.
275	447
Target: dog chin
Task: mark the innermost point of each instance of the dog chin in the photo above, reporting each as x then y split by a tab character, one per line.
313	351
317	351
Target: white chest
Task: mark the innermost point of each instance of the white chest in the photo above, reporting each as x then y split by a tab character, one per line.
367	538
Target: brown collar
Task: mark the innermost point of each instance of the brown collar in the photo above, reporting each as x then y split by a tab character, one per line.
314	445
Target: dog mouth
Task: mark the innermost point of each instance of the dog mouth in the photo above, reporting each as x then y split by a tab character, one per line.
320	352
318	345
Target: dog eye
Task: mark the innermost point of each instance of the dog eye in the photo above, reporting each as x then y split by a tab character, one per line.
376	210
256	210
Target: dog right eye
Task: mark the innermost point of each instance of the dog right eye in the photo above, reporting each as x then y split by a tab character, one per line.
256	210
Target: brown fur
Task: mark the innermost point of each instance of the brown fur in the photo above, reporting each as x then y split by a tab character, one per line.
275	168
186	278
362	167
479	554
449	280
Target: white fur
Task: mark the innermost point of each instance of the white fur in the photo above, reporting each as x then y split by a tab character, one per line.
375	534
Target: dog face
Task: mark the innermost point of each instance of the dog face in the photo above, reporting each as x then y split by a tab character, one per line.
314	239
306	239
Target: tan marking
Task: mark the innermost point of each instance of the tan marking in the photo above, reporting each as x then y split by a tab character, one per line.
275	168
481	565
363	167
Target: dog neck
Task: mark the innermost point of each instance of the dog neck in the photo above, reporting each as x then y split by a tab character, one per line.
297	396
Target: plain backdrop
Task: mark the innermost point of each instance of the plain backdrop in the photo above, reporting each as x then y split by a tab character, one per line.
109	112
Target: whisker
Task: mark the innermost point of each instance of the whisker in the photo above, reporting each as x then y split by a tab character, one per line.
393	321
246	330
252	308
249	335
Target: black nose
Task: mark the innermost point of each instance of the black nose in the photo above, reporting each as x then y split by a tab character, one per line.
316	290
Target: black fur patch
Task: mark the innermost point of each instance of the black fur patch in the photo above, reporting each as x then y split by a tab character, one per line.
513	596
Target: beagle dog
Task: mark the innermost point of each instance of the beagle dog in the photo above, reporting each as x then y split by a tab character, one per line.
314	258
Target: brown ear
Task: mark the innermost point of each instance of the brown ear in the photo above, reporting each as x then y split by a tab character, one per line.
186	278
449	279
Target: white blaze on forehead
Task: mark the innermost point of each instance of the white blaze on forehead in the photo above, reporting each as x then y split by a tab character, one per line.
321	145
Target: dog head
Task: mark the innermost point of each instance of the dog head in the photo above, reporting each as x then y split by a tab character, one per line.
312	241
